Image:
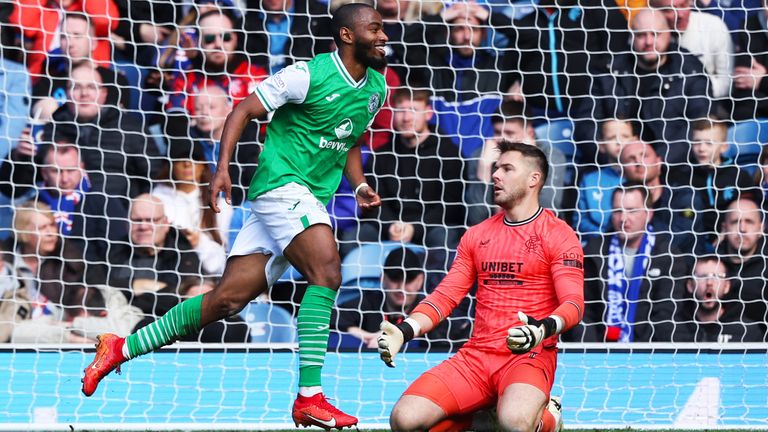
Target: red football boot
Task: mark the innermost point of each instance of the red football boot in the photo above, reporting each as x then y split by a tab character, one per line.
316	411
109	356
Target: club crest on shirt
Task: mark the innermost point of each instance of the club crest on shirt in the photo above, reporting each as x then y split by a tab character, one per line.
532	244
373	103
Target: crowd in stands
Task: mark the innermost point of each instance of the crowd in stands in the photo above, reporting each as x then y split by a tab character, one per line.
653	113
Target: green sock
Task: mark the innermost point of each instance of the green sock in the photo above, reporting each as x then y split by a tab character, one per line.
313	325
181	320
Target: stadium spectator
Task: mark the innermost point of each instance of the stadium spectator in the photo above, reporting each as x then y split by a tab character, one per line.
403	17
673	202
15	88
419	177
761	176
149	264
184	193
556	50
281	32
50	90
47	264
402	288
708	316
631	276
662	86
88	311
118	158
218	61
144	32
750	90
56	177
742	249
733	12
511	123
596	187
703	35
230	329
40	19
15	302
716	179
446	55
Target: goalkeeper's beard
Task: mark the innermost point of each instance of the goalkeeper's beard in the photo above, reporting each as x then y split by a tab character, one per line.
511	199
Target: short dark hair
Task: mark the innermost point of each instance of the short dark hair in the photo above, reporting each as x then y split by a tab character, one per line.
422	95
78	15
345	16
528	151
708	123
402	264
634	187
513	112
632	124
709	258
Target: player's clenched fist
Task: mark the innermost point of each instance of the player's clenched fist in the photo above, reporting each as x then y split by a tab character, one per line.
390	342
524	338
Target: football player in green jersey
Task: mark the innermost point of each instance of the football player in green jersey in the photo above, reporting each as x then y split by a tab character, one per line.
319	110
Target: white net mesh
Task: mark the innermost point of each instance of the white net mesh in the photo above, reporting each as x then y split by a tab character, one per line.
653	119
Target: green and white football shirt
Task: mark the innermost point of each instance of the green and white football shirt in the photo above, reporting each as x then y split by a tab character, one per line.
319	113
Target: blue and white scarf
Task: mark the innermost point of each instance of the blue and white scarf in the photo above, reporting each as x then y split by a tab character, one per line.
622	293
63	205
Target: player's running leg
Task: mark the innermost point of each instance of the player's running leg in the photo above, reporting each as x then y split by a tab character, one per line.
313	252
243	280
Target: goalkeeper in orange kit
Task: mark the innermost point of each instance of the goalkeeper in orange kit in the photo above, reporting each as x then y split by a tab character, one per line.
529	271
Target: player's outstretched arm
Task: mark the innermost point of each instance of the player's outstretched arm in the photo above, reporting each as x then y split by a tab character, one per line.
394	336
247	110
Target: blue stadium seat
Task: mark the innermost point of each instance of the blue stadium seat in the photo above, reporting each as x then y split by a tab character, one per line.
361	268
560	134
269	323
747	139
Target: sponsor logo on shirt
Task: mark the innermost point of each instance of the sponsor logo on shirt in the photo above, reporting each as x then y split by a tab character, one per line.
332	97
334	145
572	259
502	272
573	263
343	129
278	78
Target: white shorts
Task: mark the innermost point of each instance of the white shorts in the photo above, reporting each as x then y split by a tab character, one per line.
276	218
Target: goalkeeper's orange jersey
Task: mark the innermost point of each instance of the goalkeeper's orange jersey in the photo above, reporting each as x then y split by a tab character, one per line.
533	266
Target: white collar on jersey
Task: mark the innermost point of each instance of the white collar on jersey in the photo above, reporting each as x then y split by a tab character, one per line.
344	74
523	222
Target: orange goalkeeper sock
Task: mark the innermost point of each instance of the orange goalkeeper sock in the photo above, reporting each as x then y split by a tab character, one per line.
453	424
548	422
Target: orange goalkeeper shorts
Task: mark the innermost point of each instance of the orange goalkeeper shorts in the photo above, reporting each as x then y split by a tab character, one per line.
473	379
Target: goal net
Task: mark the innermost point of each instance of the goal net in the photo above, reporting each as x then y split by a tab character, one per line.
652	118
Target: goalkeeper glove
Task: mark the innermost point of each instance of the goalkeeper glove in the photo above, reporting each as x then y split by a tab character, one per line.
392	339
524	338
